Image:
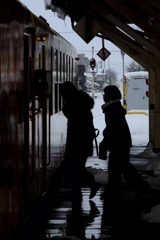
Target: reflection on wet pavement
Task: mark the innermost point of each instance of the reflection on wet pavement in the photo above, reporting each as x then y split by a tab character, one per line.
79	218
112	218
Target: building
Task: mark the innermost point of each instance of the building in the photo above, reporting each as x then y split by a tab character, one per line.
83	71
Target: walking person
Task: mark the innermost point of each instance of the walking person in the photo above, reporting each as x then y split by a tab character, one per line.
117	140
77	107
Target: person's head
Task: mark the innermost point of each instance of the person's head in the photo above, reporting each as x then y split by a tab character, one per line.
68	89
111	92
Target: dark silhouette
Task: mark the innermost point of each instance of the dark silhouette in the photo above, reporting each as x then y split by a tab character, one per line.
80	135
79	220
117	140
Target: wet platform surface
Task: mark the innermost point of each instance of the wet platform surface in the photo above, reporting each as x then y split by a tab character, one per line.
60	217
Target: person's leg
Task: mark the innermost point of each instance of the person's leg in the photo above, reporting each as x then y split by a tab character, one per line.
87	179
131	174
114	179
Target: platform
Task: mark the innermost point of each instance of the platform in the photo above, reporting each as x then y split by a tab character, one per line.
58	217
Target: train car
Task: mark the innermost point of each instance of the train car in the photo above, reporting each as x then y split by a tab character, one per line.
34	61
137	89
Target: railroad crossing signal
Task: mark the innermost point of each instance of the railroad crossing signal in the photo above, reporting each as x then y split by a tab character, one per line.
147	92
125	79
103	53
92	63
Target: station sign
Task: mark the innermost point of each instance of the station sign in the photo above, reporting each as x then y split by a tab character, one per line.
103	53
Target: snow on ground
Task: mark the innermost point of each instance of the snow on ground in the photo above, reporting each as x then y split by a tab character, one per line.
153	216
138	122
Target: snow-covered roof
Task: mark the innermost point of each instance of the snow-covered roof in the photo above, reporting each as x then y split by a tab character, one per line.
140	74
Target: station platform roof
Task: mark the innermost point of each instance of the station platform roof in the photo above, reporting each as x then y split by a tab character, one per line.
133	26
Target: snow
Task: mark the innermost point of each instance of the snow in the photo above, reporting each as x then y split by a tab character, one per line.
140	74
138	121
153	216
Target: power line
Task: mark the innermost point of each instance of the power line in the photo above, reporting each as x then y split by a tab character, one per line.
84	50
65	32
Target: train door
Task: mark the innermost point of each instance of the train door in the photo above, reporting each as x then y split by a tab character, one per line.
43	101
44	124
29	120
43	86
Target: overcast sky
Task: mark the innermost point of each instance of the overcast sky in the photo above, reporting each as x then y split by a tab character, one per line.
63	27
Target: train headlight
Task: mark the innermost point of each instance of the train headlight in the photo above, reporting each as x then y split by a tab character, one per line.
41	38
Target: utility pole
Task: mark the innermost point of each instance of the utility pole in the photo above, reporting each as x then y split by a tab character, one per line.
93	64
124	83
122	53
93	74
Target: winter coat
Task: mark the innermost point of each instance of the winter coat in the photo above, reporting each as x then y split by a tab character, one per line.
116	134
80	131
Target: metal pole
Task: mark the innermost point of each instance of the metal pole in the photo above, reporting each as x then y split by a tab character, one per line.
122	53
93	74
124	84
124	95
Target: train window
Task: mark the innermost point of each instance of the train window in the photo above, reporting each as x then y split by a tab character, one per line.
40	62
43	57
42	83
57	62
64	67
60	67
55	97
56	81
72	70
67	68
60	79
55	65
49	62
60	100
51	95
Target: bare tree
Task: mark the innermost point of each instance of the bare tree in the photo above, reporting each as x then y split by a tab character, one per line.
134	67
111	76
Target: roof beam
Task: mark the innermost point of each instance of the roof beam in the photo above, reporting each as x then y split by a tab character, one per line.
131	43
133	54
127	29
154	3
146	7
134	18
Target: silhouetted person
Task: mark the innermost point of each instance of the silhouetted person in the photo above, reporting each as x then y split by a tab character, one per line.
117	140
79	220
80	135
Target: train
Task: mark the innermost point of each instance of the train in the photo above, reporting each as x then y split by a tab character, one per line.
34	61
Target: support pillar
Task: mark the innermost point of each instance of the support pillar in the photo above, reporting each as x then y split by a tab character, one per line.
157	111
151	78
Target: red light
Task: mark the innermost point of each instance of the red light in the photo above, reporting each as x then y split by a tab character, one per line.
92	63
147	93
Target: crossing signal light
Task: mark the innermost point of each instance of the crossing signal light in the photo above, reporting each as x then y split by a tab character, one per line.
147	92
92	63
